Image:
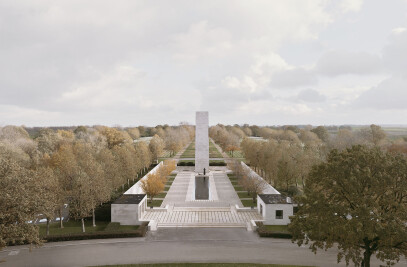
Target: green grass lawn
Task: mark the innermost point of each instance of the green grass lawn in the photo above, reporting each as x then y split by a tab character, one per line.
236	154
72	227
155	203
213	151
166	154
277	228
238	188
161	195
189	152
248	203
203	265
243	195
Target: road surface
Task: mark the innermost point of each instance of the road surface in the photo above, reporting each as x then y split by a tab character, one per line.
172	245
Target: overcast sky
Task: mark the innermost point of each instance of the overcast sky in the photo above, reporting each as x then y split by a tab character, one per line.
154	62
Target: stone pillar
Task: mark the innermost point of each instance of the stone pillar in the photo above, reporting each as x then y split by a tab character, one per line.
202	142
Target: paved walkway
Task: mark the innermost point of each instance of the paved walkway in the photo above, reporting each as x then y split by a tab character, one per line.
177	195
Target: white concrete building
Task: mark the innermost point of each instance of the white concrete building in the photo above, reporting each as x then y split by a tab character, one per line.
276	209
128	209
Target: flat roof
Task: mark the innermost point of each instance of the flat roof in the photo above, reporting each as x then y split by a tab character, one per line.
275	199
130	199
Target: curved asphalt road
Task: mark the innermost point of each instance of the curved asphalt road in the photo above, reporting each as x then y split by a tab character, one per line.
172	245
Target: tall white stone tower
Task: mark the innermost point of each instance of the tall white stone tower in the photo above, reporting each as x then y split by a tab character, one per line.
202	142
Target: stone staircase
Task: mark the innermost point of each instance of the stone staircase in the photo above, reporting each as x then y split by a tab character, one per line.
201	217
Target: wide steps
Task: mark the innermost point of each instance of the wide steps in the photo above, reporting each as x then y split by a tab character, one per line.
203	225
192	209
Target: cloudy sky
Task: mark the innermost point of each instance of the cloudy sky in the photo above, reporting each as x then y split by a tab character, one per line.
154	62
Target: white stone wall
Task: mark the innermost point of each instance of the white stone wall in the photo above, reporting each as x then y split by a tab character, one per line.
269	189
136	188
202	142
269	212
128	214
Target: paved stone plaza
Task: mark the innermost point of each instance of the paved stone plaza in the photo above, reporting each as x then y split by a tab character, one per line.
184	211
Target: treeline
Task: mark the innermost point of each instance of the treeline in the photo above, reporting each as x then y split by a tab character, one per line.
83	167
284	155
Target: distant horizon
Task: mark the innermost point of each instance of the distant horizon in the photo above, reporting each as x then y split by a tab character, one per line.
210	125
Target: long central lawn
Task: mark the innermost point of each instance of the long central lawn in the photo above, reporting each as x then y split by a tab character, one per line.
213	151
189	152
204	265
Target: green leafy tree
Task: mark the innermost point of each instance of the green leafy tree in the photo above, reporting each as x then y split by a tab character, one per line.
321	132
358	200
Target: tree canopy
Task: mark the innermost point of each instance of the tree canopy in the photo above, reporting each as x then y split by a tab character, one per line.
357	199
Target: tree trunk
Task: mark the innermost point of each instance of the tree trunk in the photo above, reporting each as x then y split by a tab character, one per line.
47	226
83	225
61	224
128	183
93	217
366	258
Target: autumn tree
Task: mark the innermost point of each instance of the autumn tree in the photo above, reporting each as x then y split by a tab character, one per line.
152	185
156	146
358	200
321	132
18	204
253	185
99	190
134	133
115	137
81	204
48	188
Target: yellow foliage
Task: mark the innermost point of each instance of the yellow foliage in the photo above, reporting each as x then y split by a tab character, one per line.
152	185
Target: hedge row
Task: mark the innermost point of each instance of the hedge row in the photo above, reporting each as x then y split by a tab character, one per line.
191	163
217	163
263	232
186	163
140	232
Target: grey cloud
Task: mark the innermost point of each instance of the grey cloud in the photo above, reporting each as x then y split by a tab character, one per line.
293	78
337	62
391	94
395	54
311	95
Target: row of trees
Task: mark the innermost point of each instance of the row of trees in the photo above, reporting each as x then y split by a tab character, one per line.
284	157
155	182
247	179
83	167
228	137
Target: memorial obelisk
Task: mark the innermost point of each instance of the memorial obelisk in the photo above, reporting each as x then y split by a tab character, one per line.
202	142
